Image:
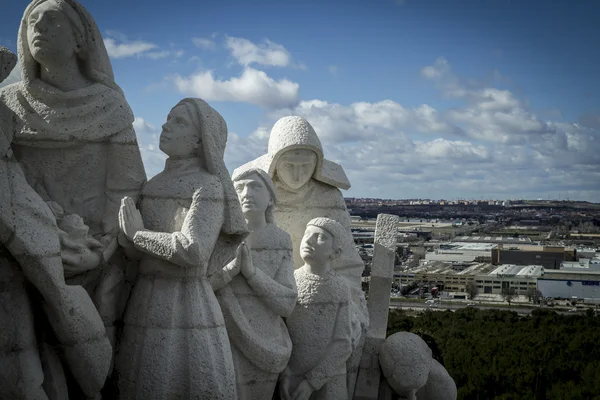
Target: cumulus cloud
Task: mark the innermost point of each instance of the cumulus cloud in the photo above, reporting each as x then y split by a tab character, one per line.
148	139
252	86
489	145
362	120
267	53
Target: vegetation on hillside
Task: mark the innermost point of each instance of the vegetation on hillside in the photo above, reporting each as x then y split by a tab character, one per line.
499	355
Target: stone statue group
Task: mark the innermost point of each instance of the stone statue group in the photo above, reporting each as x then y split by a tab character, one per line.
192	285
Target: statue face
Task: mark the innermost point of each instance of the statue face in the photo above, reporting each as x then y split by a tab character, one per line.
296	167
50	36
253	194
316	246
179	137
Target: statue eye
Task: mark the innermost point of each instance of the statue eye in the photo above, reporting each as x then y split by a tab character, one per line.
288	165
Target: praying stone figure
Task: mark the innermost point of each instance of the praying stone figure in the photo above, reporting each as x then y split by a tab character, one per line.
72	134
308	186
189	225
320	325
256	290
34	295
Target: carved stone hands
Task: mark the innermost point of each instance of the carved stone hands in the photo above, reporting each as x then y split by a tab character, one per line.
247	267
130	219
234	267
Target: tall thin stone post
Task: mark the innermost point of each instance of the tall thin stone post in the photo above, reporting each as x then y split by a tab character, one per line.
382	274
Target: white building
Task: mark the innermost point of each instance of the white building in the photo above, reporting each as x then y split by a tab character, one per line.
518	277
460	252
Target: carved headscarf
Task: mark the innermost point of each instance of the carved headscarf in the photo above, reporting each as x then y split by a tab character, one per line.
296	133
49	113
213	131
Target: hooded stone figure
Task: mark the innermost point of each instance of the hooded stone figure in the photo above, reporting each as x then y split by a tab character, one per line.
308	186
34	295
71	132
189	225
305	199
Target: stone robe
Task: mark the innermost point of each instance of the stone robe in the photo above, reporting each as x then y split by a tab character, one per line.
253	310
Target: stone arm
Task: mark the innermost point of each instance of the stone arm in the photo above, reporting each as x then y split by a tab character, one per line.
125	176
278	293
337	353
194	244
222	277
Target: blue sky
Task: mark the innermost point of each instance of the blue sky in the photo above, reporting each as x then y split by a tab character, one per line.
415	98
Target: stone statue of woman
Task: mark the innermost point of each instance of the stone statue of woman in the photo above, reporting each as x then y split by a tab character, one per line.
33	294
308	186
72	134
257	290
174	343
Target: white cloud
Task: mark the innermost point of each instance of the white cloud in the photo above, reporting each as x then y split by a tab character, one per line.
204	43
252	87
127	49
362	120
489	145
118	46
267	53
148	139
13	77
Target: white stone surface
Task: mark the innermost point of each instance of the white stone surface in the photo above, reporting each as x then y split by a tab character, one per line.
405	361
407	364
439	386
256	290
382	274
321	324
174	343
318	196
71	131
30	254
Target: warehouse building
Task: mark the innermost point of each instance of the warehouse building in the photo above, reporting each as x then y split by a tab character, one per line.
460	252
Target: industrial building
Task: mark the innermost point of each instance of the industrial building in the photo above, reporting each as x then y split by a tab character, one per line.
520	278
448	277
460	252
549	257
493	239
574	280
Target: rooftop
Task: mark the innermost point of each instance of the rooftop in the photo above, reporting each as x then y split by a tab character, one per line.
527	271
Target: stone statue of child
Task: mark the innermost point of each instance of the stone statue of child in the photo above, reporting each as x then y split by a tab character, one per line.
320	325
256	290
34	293
308	186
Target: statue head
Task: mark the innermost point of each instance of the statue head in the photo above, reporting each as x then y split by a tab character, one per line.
295	156
180	138
256	193
296	167
55	34
322	241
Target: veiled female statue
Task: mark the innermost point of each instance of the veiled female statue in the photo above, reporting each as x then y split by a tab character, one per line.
189	225
71	131
41	316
